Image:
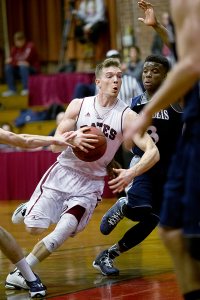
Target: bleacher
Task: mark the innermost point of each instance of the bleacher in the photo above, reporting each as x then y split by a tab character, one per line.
10	108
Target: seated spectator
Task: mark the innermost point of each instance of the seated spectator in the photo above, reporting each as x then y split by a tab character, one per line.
22	62
91	20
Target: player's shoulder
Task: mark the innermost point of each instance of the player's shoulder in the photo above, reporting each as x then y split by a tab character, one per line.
75	102
121	104
80	103
83	100
74	105
130	115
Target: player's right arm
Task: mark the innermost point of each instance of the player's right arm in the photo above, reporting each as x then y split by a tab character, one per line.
68	124
150	19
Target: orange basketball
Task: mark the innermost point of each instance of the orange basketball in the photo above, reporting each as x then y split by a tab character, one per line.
98	151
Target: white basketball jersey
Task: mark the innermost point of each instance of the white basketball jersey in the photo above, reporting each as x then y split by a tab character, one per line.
109	121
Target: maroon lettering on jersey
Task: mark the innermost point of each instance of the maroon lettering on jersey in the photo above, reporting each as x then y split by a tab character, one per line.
107	131
112	134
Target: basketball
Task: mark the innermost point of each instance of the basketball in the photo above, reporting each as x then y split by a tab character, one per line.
98	151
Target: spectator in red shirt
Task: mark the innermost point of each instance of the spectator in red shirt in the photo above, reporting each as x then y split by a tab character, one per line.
22	62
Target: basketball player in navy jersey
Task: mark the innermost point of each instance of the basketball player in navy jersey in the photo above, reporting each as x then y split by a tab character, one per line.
71	189
180	217
144	195
8	244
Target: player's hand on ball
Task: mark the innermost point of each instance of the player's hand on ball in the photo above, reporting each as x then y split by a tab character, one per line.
85	150
84	140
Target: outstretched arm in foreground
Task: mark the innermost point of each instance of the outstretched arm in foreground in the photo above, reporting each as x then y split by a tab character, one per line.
29	141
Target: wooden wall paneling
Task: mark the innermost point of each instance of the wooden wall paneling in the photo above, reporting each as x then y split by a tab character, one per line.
54	29
113	24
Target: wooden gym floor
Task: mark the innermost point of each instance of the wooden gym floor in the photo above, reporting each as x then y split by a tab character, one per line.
146	271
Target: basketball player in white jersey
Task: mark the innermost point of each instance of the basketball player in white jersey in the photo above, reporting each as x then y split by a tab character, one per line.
71	189
8	244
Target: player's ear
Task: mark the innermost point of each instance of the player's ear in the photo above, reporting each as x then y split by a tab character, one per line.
97	81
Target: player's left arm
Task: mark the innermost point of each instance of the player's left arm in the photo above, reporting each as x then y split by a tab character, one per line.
151	154
150	157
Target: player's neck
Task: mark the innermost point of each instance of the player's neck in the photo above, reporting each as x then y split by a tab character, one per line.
102	112
105	101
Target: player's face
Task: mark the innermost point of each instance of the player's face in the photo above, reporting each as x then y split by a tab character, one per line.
110	81
152	76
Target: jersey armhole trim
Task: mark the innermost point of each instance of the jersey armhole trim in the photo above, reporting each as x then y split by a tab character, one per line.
80	110
122	119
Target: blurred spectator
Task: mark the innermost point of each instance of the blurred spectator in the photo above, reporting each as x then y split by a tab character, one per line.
129	88
22	62
134	66
91	20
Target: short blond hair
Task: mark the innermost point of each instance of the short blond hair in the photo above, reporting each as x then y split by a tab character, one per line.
109	62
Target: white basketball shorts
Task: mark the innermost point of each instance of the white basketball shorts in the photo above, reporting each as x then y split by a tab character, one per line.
60	189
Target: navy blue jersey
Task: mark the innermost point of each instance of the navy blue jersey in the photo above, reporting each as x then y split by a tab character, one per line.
192	105
165	130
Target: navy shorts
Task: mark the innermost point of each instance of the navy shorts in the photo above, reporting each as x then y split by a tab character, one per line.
147	191
181	206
